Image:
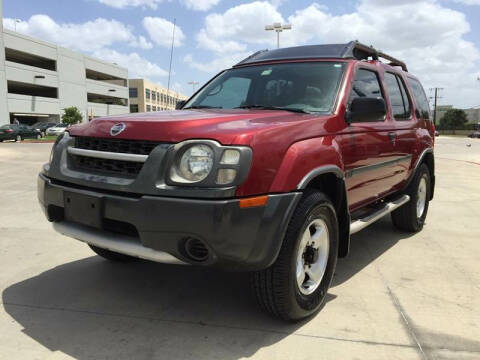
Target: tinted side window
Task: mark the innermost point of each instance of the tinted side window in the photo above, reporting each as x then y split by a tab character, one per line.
420	98
398	97
366	84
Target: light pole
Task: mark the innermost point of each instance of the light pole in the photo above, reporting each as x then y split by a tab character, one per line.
193	83
17	21
278	28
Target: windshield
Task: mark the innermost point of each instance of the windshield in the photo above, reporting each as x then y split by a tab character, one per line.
304	87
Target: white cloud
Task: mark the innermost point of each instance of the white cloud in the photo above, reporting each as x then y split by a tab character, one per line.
197	5
219	46
138	67
468	2
142	43
122	4
216	65
160	31
200	5
87	37
425	38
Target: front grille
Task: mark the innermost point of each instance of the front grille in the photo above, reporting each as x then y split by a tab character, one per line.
139	147
121	168
105	166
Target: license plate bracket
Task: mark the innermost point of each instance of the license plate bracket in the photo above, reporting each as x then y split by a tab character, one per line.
83	209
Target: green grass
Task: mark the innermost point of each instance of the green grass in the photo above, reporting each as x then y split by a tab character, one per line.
45	138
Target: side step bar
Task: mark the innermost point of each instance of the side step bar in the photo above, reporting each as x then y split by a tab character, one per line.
387	208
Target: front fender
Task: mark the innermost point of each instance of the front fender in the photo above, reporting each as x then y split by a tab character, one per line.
302	159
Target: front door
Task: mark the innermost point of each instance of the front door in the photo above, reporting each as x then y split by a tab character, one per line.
368	147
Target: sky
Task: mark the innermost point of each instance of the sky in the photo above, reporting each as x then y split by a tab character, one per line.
438	39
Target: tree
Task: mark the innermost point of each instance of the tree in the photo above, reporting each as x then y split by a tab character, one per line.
71	115
454	119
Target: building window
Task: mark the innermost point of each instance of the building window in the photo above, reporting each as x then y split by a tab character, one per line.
149	108
154	96
133	92
154	108
133	108
158	96
147	93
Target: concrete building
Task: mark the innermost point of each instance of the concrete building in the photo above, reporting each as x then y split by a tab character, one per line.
39	79
146	96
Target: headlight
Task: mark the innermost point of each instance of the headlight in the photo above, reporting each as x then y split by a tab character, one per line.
194	165
206	163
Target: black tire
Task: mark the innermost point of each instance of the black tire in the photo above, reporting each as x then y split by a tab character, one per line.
111	255
405	218
18	138
276	287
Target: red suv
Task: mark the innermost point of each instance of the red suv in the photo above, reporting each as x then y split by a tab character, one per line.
268	168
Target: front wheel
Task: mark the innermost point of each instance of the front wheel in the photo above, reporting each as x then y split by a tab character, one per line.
296	285
411	216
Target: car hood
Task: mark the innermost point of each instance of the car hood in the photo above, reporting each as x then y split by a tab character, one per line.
236	126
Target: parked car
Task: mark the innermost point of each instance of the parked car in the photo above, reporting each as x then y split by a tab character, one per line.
475	134
43	126
18	132
57	129
269	168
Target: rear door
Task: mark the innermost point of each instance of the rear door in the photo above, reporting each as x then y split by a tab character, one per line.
401	115
367	148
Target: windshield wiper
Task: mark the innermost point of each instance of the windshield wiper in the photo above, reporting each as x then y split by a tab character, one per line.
202	107
267	107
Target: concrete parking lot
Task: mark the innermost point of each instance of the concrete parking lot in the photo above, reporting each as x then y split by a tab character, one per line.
397	296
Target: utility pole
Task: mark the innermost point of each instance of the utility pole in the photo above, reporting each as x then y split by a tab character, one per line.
278	28
171	56
193	83
435	98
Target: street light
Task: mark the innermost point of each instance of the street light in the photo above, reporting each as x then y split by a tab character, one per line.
17	21
278	28
193	83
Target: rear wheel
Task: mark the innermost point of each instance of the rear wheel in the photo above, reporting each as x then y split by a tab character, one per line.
18	138
111	255
39	136
411	216
296	285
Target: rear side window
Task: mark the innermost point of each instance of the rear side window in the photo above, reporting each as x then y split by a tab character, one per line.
366	84
420	98
398	97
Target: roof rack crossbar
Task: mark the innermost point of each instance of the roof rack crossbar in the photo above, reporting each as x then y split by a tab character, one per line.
361	51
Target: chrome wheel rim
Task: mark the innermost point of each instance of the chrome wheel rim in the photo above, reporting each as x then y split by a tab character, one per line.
421	197
312	256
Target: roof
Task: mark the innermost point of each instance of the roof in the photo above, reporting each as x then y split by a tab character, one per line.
351	50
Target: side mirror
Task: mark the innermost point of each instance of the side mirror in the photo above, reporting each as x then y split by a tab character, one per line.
180	104
365	109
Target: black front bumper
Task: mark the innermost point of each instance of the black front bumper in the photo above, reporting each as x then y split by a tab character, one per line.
236	238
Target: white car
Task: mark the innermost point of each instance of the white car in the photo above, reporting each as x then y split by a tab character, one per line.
57	129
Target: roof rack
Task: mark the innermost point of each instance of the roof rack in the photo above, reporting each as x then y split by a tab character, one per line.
360	51
351	50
